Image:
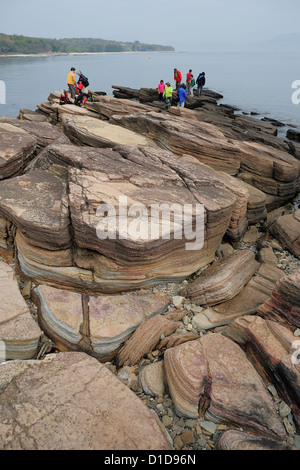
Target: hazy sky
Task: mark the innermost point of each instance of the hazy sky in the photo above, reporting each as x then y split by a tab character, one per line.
176	22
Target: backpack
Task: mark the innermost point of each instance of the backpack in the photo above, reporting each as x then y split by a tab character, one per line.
84	80
64	99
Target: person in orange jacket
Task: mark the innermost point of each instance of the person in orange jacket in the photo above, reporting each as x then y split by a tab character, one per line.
177	78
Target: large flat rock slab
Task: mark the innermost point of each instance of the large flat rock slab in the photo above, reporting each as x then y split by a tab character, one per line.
19	333
155	240
271	170
94	324
70	401
97	133
183	136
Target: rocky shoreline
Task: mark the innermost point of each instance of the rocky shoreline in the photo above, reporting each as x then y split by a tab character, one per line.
146	346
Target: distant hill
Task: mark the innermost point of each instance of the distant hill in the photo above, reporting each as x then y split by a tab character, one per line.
14	44
282	43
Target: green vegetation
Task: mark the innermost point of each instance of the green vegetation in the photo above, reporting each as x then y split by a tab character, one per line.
13	44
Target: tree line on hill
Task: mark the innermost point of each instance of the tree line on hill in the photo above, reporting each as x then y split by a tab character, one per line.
15	44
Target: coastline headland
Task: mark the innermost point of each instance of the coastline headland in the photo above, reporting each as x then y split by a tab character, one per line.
111	317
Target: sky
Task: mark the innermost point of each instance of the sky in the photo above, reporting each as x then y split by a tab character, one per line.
182	24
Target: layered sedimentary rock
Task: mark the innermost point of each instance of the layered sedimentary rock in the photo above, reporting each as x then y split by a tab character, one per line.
270	170
145	339
58	238
271	348
241	441
287	230
97	325
97	133
201	140
19	333
44	133
223	280
284	303
106	107
213	376
78	405
273	171
17	148
255	293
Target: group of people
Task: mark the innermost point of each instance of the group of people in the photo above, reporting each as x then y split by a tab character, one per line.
78	89
183	89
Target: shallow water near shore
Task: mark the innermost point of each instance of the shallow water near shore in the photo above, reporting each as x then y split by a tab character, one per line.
254	82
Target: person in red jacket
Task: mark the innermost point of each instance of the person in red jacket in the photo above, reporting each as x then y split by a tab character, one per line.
177	78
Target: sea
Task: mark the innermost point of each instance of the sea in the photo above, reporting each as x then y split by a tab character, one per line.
254	82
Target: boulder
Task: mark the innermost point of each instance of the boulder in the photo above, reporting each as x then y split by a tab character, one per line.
19	333
255	293
17	148
69	401
284	303
286	230
293	134
97	325
270	347
152	380
223	280
212	377
144	340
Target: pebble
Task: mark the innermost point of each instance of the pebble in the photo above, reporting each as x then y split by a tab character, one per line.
209	426
297	332
272	390
178	301
284	409
297	442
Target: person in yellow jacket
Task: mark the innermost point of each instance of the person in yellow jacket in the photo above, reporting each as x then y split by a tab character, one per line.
168	96
71	82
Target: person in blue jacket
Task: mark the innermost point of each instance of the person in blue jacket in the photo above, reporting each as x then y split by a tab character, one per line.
181	95
200	83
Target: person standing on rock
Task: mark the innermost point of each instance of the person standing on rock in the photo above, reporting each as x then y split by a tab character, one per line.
188	81
200	83
177	78
168	96
181	95
71	82
192	84
161	89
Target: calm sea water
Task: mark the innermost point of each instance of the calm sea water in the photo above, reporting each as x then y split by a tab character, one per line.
259	82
